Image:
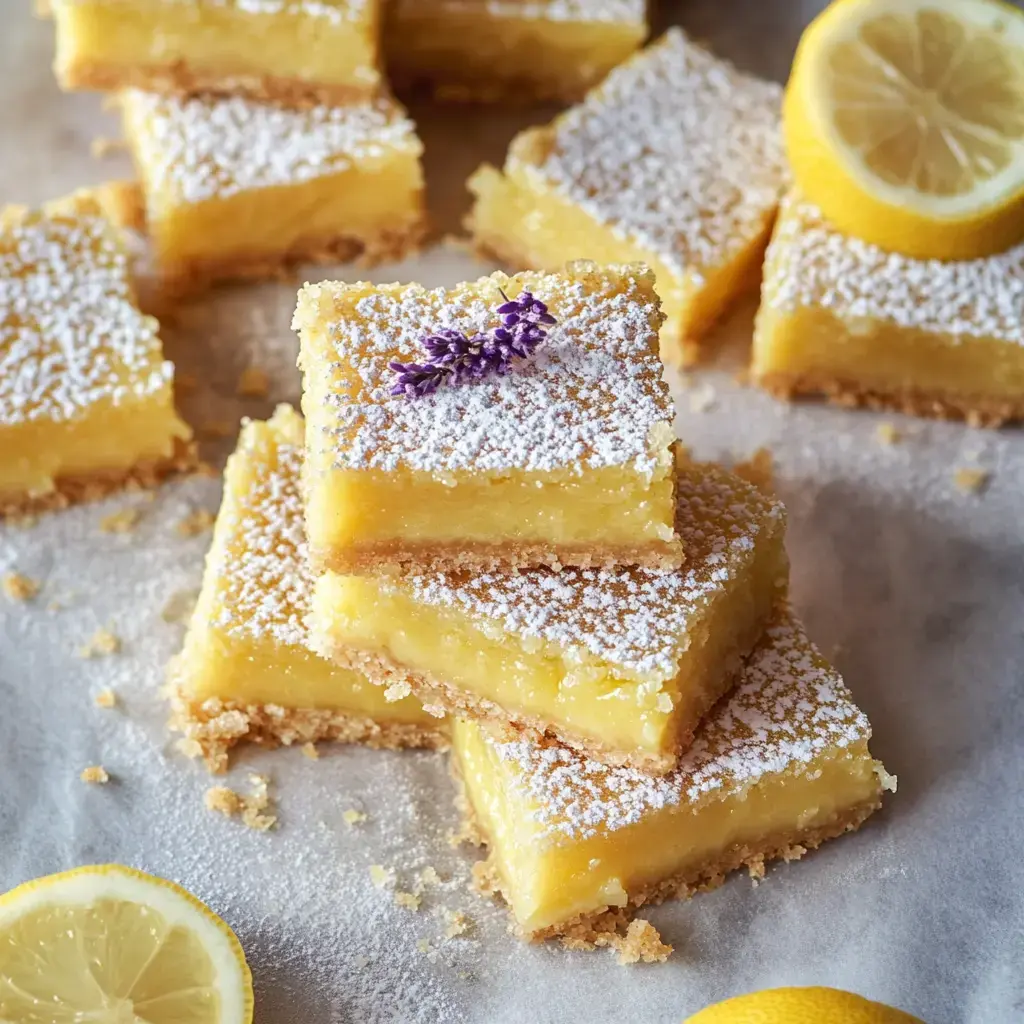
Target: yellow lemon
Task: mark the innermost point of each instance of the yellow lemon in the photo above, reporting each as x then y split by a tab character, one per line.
800	1006
109	945
904	124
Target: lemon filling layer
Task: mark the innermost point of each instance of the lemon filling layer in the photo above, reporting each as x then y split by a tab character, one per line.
220	40
783	758
624	660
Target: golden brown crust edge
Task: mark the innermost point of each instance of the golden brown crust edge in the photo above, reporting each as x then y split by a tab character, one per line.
179	79
433	692
210	728
477	557
79	490
976	410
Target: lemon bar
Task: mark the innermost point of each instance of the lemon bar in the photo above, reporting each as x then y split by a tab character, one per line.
292	51
675	159
779	766
235	188
844	319
246	672
620	663
491	50
86	397
563	456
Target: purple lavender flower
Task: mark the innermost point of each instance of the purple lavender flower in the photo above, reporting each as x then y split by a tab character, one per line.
455	358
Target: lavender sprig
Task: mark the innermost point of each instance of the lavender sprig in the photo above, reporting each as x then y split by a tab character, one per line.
455	358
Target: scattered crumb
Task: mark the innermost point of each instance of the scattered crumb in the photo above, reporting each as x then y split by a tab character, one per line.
703	398
100	148
354	817
121	522
249	807
193	525
54	606
456	923
100	644
185	382
381	876
397	691
971	480
641	942
95	774
887	434
435	710
105	699
428	876
214	429
179	606
423	945
309	750
20	588
484	879
361	961
189	747
758	470
254	383
409	900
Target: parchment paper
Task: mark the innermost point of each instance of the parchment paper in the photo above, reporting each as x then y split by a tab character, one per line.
915	589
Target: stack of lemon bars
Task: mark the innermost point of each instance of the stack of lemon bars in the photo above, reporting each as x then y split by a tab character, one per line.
483	535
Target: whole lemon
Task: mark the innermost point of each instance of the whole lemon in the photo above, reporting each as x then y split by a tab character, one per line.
800	1006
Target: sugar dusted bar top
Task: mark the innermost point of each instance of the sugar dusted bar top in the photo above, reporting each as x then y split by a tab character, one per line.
779	765
622	663
675	159
565	459
86	397
845	319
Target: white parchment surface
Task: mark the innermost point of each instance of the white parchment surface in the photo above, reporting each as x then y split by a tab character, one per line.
914	588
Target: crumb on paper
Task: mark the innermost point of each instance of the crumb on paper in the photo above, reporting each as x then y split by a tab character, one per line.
251	807
397	691
641	943
254	383
354	817
971	480
19	587
483	879
309	750
361	961
101	147
381	876
887	434
189	746
95	774
408	900
434	710
759	470
428	876
456	923
198	522
179	606
123	521
215	429
423	945
101	644
106	698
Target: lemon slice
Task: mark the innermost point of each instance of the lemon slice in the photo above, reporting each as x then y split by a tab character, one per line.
904	124
814	1005
110	945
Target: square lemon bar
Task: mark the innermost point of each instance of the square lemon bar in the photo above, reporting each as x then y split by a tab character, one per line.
843	319
293	51
779	766
86	397
235	188
564	458
246	672
676	159
491	50
621	663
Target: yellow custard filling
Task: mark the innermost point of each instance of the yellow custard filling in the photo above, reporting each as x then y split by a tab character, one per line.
218	41
783	759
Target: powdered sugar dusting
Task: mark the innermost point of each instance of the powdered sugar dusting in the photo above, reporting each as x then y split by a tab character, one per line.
262	568
201	147
591	397
70	333
790	708
809	263
677	152
638	620
629	11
